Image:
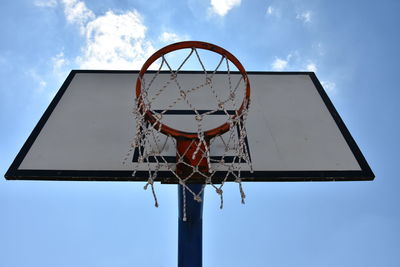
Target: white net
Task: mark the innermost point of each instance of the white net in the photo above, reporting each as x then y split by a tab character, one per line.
207	100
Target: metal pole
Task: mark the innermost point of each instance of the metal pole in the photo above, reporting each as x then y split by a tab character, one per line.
190	232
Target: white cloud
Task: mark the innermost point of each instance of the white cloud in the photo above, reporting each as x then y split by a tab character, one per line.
59	61
319	48
294	61
279	64
76	12
116	41
311	67
45	3
170	37
61	67
330	87
112	41
40	83
273	12
305	16
270	10
222	7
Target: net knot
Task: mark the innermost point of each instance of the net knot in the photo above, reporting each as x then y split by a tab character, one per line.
199	117
183	94
197	198
150	182
159	116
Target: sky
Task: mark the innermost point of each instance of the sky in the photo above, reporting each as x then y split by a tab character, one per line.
352	46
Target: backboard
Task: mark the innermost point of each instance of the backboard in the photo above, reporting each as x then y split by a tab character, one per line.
294	133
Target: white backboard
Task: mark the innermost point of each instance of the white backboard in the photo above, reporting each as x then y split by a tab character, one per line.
294	132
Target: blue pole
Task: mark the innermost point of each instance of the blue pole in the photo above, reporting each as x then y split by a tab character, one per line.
190	232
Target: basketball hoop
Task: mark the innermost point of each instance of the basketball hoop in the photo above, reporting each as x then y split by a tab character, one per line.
194	162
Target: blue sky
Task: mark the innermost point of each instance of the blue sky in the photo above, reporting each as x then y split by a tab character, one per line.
351	45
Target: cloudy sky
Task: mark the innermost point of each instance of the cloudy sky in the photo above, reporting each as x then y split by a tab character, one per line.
352	46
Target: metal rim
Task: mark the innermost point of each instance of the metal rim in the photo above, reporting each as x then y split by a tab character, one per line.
149	115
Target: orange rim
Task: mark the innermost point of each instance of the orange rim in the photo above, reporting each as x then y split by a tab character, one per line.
149	115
